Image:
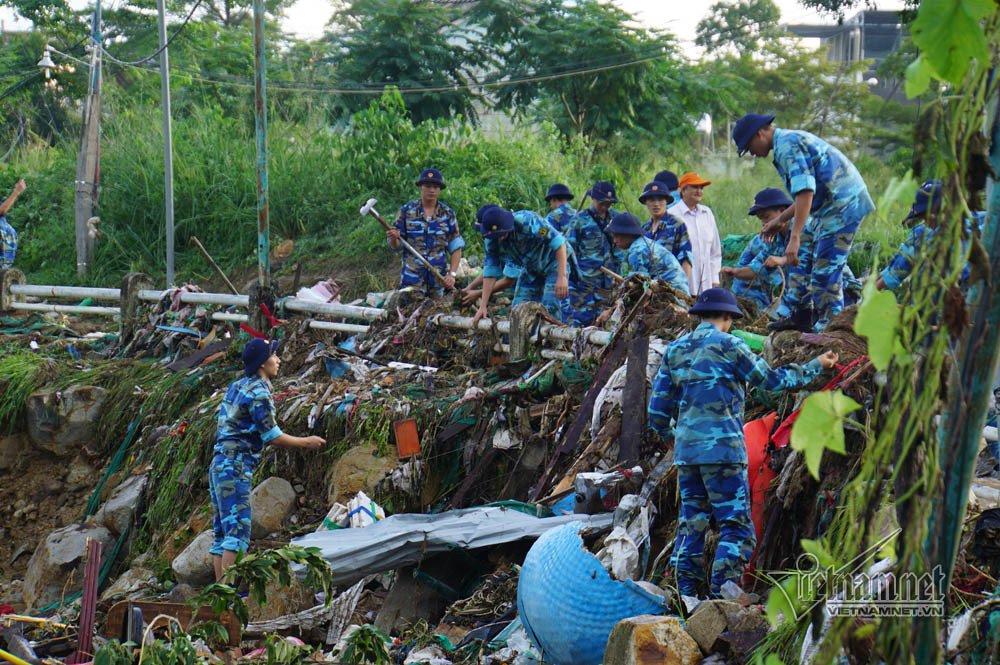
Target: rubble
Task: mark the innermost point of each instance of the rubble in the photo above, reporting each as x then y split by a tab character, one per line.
650	640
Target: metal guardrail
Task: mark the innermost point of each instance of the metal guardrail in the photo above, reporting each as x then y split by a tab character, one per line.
14	291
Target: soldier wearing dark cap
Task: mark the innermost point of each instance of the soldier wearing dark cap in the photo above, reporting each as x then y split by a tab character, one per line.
669	178
593	246
663	227
560	198
644	256
698	398
432	228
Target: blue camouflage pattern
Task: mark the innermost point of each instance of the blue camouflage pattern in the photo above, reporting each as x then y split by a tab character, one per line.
901	264
528	255
840	202
561	216
700	389
246	418
672	233
594	248
230	479
8	244
767	284
436	238
707	490
651	259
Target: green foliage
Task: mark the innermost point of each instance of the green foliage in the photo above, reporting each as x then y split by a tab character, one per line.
21	372
114	652
950	37
368	645
878	322
260	569
739	27
281	651
820	426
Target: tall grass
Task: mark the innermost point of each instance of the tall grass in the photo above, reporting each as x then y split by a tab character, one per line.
319	178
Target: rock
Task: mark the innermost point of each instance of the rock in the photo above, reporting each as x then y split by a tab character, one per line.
14	449
745	631
62	421
60	554
651	640
358	470
709	621
270	503
133	584
117	512
181	593
194	565
80	471
282	601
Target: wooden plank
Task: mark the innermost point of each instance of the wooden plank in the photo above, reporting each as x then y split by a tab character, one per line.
183	613
634	395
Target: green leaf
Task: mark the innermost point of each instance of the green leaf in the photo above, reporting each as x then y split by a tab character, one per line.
818	550
820	426
779	605
918	77
950	36
878	321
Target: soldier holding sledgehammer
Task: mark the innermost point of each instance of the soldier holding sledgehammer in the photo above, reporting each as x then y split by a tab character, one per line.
432	228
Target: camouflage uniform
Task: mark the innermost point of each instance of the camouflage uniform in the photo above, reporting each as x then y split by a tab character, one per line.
650	258
437	238
909	252
594	248
840	202
528	254
672	234
246	424
698	396
767	282
8	244
561	217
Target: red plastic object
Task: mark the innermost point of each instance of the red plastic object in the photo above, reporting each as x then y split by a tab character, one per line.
783	434
407	438
757	434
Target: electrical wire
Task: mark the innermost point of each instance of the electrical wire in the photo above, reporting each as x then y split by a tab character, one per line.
135	63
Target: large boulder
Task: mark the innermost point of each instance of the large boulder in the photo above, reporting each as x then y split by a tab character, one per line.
63	421
270	503
194	565
358	470
60	554
117	512
651	640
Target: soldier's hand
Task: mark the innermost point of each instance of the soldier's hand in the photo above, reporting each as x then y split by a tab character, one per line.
562	287
828	359
792	252
480	315
393	235
603	318
774	261
19	186
449	282
728	270
469	296
313	442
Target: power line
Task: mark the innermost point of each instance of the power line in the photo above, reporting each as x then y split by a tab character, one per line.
157	52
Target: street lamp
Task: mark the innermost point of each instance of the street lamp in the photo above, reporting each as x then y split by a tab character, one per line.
46	62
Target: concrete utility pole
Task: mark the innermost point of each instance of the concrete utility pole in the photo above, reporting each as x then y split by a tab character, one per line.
88	160
168	143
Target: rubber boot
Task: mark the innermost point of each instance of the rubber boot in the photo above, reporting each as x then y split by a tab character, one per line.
802	320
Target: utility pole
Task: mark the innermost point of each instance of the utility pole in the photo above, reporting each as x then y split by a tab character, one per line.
168	143
87	163
264	293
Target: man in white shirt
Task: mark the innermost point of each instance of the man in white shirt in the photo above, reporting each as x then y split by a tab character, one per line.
706	247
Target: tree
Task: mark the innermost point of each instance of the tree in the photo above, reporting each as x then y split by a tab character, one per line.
739	27
418	45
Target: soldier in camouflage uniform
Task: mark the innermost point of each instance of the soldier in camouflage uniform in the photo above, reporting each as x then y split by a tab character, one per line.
663	227
8	236
760	272
644	256
523	248
246	425
698	397
588	236
562	212
926	206
431	228
831	200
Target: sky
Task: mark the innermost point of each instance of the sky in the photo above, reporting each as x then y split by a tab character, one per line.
307	18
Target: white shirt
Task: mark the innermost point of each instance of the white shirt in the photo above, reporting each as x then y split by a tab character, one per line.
706	247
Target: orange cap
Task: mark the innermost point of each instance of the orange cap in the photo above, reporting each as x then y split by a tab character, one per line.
692	178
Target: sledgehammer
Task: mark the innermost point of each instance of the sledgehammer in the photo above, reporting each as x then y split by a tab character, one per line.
369	209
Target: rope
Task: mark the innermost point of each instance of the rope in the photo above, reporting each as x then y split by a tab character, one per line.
116	462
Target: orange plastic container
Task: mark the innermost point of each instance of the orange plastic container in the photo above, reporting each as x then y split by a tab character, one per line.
407	438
